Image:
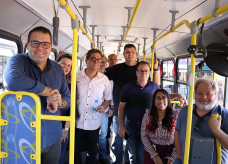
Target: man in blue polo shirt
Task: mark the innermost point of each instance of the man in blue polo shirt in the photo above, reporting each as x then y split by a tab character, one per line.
136	97
34	72
206	95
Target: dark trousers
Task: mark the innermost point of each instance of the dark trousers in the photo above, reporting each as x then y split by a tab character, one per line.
51	154
86	140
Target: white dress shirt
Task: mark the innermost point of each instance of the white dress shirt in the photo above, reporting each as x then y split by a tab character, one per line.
88	91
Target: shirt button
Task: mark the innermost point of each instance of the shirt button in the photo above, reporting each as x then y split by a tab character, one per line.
85	119
87	104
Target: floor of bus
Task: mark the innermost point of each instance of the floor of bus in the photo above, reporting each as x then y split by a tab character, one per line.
66	161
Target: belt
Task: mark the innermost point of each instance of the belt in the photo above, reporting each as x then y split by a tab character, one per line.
134	121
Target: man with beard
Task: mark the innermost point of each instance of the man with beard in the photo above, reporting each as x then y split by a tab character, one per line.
206	95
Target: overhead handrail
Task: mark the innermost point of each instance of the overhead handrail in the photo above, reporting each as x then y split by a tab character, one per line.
132	17
219	11
74	17
184	22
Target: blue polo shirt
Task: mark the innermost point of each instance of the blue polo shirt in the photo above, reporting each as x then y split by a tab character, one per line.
23	74
137	99
204	129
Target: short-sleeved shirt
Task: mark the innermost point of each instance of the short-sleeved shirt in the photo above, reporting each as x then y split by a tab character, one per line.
121	74
137	99
88	91
23	74
204	129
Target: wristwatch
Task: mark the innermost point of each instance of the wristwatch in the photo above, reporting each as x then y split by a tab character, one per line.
66	129
62	104
156	69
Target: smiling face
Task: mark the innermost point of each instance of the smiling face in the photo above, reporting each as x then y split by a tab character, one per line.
39	54
205	96
94	61
161	101
66	65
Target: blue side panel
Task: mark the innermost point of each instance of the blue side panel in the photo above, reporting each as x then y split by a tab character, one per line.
18	137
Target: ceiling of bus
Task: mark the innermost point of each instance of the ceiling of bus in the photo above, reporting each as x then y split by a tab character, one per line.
110	16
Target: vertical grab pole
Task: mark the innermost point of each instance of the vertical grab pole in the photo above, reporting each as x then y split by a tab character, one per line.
75	27
190	102
38	134
218	146
152	60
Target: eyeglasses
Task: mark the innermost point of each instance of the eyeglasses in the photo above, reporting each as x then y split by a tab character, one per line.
208	94
36	44
160	98
198	121
143	71
93	59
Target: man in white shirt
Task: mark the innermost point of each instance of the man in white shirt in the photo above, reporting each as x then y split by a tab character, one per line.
91	86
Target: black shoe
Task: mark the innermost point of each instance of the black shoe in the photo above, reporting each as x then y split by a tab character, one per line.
104	161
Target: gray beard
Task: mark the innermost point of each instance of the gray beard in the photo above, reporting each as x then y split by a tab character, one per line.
206	107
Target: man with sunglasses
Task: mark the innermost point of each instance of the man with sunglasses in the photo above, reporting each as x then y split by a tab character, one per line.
92	86
35	72
206	95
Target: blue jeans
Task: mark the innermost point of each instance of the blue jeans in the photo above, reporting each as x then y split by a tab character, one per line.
63	149
102	136
135	145
117	145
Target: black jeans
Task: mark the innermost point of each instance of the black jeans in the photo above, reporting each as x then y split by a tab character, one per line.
86	140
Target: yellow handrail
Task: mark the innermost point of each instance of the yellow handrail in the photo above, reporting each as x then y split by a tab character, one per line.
74	17
132	17
177	102
152	66
184	22
73	93
219	11
190	103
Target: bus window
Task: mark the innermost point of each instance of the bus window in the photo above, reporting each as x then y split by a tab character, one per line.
221	84
167	68
168	86
182	89
7	49
52	56
182	69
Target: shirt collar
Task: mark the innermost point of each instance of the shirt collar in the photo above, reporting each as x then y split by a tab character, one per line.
98	75
147	84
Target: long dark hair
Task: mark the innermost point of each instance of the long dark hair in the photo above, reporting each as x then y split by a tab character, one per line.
168	121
